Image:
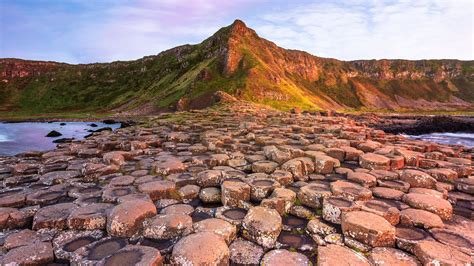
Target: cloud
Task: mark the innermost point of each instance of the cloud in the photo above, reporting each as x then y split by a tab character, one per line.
100	31
78	31
366	29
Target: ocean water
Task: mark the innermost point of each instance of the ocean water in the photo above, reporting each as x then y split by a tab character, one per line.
31	136
465	139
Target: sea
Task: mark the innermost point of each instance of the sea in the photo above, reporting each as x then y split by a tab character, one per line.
31	136
465	139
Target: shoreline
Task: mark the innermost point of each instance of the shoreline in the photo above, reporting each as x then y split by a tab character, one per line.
418	124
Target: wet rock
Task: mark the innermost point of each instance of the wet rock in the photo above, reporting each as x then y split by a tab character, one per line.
302	212
112	194
20	238
243	252
339	255
312	195
135	255
162	189
47	196
125	180
264	167
395	184
288	196
67	242
11	218
261	188
381	208
210	195
235	193
454	239
126	219
54	216
189	192
334	207
316	226
323	164
387	193
284	257
356	245
37	253
443	174
407	237
199	249
298	241
209	178
435	253
53	134
300	167
430	203
374	161
170	165
465	185
12	197
89	217
224	229
391	256
234	216
262	226
167	226
364	179
368	228
428	191
282	177
417	178
95	252
350	190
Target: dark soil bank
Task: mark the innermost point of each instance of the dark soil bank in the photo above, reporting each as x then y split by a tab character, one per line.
423	125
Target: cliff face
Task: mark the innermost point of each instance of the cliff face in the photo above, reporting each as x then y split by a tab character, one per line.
238	61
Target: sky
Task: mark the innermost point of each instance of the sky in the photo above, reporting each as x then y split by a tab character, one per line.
87	31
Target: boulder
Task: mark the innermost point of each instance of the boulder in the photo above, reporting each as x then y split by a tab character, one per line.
126	219
435	253
243	252
167	226
204	248
262	226
368	228
417	178
53	216
235	193
339	255
430	203
220	227
285	257
300	167
374	161
391	256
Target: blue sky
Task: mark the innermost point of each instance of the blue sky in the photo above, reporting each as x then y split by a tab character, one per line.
85	31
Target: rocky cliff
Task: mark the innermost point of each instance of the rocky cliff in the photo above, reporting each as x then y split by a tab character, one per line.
236	60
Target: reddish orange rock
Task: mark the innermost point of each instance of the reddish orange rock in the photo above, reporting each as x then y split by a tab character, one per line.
418	178
430	203
368	228
373	161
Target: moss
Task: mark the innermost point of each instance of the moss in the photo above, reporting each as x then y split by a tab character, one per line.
297	202
319	211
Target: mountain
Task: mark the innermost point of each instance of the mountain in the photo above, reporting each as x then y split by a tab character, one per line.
235	60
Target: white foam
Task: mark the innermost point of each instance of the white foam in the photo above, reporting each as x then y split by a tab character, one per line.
3	138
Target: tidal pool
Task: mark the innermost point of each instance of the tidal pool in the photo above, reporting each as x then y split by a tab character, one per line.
31	136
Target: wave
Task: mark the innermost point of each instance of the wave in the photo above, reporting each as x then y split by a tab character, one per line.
4	138
466	139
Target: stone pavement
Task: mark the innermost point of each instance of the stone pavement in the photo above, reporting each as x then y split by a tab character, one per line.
239	184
